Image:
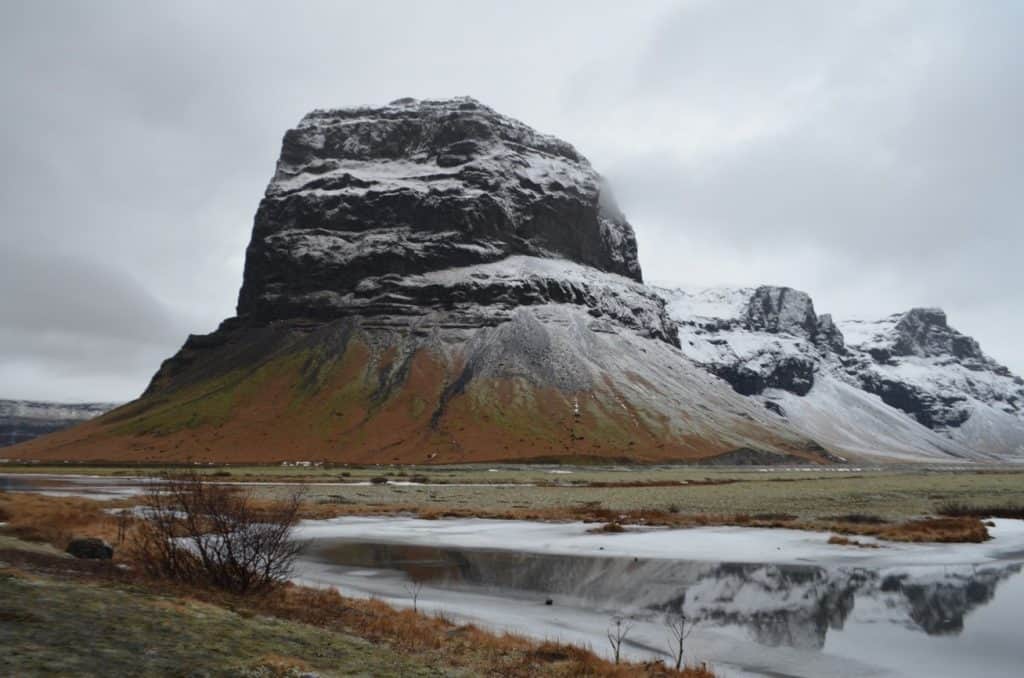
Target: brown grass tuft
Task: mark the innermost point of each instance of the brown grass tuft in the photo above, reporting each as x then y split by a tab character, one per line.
957	510
55	520
609	528
844	541
947	530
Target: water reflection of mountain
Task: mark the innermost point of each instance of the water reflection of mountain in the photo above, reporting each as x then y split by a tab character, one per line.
778	605
937	605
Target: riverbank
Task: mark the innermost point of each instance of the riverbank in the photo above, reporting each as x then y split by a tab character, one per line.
307	629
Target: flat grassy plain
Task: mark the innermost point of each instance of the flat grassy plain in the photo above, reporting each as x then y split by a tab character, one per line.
808	493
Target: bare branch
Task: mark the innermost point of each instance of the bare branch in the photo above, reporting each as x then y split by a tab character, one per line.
200	531
617	634
414	588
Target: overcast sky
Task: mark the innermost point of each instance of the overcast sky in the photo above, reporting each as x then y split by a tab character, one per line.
870	154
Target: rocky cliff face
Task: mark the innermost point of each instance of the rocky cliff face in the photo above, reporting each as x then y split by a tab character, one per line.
365	199
873	379
22	420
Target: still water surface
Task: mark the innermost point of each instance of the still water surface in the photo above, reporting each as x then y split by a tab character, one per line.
752	618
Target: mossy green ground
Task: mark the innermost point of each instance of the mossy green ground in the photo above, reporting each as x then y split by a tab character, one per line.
54	627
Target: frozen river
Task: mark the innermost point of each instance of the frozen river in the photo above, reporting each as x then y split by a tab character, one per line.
766	602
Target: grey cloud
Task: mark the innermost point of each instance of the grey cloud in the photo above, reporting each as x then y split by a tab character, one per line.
880	169
865	152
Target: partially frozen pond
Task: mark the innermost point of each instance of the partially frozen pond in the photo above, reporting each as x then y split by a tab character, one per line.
766	602
61	485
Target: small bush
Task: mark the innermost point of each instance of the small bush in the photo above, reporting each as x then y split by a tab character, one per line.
198	532
379	480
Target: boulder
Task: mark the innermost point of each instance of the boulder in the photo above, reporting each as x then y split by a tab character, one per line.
90	548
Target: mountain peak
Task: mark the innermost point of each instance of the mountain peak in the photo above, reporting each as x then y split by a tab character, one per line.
420	186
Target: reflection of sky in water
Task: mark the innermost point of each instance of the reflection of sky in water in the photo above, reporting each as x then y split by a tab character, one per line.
934	621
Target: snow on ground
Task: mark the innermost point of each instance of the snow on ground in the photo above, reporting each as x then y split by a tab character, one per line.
706	303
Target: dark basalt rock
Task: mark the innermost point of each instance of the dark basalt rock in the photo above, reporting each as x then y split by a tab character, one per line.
788	311
923	332
781	309
366	194
828	335
929	409
90	548
789	373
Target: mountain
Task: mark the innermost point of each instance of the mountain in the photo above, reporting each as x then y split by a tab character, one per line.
905	387
22	420
432	281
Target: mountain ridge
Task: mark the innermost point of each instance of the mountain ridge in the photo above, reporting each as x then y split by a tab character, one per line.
913	362
432	281
23	420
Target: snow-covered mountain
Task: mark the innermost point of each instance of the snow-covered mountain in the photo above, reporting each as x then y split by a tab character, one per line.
433	281
22	420
907	386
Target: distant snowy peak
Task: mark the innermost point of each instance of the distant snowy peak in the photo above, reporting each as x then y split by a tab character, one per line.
767	341
754	338
765	309
34	409
921	332
915	361
22	420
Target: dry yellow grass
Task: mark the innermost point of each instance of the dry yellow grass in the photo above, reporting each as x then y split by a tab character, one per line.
55	520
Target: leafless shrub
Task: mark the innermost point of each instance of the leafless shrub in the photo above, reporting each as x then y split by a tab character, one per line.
200	532
414	588
678	631
617	634
124	520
